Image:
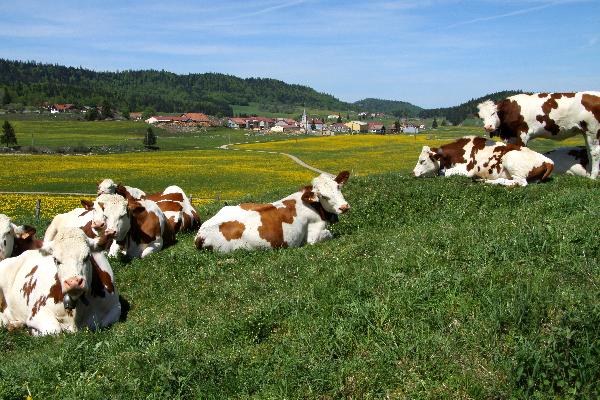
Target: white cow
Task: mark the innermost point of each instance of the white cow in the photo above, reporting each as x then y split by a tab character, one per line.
299	218
492	162
177	207
522	117
64	286
108	186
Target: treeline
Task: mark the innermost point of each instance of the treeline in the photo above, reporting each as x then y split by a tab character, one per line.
400	109
458	114
32	83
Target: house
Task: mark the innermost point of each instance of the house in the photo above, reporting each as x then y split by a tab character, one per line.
333	116
285	129
410	129
375	127
135	116
339	128
198	118
317	123
259	123
286	121
59	108
357	126
159	118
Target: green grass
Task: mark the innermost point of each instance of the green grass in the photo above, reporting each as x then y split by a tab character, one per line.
432	288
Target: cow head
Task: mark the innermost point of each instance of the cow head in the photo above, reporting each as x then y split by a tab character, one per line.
110	216
25	239
429	163
7	237
488	112
327	190
70	249
107	186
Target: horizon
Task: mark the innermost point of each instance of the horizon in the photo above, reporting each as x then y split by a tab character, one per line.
448	51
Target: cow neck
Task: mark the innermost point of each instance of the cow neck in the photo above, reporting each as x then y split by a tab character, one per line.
317	207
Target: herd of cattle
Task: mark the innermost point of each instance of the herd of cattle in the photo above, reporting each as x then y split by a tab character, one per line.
65	282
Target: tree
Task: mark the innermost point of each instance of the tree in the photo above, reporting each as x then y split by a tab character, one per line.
6	99
107	109
339	119
150	138
434	124
444	122
8	134
148	112
92	114
313	126
397	126
125	112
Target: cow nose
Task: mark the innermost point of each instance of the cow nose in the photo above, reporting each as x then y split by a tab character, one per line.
98	225
74	282
345	208
110	232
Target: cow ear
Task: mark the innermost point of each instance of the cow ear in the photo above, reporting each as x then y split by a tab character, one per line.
47	248
24	231
88	205
436	154
342	177
309	196
122	191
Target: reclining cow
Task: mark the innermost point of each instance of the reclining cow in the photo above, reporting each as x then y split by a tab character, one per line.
14	239
492	162
522	117
139	226
64	286
299	218
108	186
570	160
176	206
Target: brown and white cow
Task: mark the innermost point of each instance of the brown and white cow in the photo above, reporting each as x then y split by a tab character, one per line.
14	239
64	286
522	117
299	218
108	186
492	162
177	207
570	160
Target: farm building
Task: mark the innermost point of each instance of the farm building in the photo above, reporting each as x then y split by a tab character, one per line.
376	127
357	126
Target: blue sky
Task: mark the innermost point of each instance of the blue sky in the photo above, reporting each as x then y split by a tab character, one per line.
429	52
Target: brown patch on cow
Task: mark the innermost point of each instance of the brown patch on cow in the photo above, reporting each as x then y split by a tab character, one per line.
272	220
541	173
199	242
308	196
187	221
3	304
512	122
145	226
55	293
452	153
101	281
542	95
232	230
88	205
583	125
174	225
591	104
478	144
169	206
156	197
30	284
87	229
549	124
84	213
569	95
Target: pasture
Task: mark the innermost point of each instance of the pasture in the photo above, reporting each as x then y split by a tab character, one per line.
431	288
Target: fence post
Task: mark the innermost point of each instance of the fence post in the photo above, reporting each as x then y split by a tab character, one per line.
38	206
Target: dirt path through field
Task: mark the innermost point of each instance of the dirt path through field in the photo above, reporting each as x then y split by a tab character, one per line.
291	156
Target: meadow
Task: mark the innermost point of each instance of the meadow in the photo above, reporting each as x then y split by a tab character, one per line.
432	288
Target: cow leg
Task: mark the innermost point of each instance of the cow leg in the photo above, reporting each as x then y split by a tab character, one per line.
593	147
317	232
152	247
507	182
44	325
115	249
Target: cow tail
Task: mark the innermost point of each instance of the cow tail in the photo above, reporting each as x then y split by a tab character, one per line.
549	169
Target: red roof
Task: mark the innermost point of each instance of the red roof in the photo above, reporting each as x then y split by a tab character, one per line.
197	117
169	118
238	120
375	125
63	106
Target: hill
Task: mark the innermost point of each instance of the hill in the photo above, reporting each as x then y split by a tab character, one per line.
432	288
458	114
394	107
32	83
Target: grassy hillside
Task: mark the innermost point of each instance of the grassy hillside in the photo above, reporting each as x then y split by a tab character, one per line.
399	108
433	288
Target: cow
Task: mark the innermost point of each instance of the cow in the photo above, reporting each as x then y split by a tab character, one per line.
108	186
14	239
302	217
570	160
480	158
522	117
62	287
177	207
139	227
